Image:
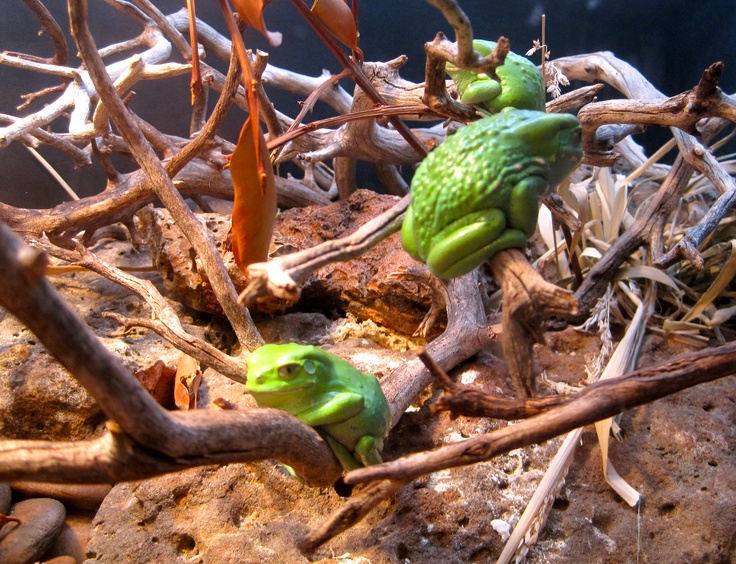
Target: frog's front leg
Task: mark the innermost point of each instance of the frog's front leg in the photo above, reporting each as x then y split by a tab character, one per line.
343	455
522	211
340	406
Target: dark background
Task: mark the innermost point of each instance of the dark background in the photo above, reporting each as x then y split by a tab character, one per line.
670	42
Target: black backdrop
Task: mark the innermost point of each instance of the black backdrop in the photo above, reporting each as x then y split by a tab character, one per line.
670	42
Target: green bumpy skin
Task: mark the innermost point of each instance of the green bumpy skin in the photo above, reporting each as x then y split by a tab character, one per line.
521	84
478	192
324	391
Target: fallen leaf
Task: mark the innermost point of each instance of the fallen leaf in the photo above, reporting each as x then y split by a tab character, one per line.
158	380
186	383
4	519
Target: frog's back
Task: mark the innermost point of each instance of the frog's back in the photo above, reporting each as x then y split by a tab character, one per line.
523	85
471	170
528	85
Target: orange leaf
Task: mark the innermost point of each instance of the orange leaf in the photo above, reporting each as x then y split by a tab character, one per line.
252	13
186	383
337	17
254	202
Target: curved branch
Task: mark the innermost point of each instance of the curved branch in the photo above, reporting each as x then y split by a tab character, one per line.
218	438
175	440
283	276
50	26
198	235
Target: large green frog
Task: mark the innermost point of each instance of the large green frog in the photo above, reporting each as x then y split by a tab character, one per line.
478	192
521	84
324	391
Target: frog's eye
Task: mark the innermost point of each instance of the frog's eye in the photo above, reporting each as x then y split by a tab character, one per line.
288	371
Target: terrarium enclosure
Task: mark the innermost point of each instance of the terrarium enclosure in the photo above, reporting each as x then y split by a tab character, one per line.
557	387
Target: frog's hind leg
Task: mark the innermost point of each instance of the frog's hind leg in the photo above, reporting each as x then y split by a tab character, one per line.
459	247
510	239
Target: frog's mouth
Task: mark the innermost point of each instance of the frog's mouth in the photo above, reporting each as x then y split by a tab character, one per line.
282	393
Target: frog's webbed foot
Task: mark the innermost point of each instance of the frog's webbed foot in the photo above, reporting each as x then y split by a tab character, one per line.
367	450
347	461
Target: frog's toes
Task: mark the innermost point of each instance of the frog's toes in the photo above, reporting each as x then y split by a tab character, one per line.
367	448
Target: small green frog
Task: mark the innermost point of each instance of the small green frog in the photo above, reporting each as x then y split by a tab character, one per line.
521	83
324	391
478	192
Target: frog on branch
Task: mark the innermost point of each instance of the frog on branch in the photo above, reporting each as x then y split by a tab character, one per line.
324	391
478	192
521	84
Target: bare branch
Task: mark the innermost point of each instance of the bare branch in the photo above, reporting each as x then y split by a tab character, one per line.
283	276
166	322
50	26
528	300
199	237
598	401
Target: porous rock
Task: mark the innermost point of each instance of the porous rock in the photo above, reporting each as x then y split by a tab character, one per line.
361	286
39	399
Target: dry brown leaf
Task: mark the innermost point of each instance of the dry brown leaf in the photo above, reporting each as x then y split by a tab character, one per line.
186	383
158	380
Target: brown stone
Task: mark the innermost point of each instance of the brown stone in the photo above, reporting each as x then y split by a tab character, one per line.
41	521
38	397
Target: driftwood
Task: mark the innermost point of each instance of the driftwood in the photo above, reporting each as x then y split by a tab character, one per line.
144	440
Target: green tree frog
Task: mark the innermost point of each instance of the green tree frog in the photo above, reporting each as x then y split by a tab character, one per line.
521	84
324	391
478	192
